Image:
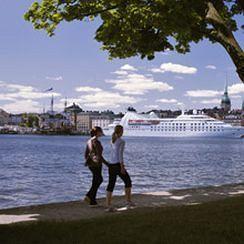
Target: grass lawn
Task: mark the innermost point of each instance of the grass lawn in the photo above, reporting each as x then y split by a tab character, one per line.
220	222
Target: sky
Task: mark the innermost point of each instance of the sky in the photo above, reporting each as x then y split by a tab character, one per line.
73	64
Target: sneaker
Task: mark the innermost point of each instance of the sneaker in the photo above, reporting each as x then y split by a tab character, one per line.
93	204
130	205
87	200
110	210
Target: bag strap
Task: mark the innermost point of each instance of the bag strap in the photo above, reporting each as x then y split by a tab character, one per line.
90	145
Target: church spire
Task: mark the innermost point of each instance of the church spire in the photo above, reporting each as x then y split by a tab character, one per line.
225	101
226	84
52	102
226	88
65	104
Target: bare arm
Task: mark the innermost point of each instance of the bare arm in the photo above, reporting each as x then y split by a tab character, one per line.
121	157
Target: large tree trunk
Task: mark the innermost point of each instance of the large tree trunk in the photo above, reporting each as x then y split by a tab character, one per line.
222	34
236	54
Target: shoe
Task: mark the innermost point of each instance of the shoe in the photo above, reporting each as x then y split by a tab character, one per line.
130	205
87	200
110	210
93	204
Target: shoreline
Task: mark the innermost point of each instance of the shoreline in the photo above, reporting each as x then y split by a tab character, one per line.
77	210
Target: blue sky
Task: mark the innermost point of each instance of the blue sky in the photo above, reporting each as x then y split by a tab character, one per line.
72	63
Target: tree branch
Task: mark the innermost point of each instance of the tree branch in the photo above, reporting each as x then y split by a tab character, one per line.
100	11
222	34
213	16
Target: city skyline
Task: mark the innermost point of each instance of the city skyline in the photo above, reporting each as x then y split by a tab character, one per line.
72	63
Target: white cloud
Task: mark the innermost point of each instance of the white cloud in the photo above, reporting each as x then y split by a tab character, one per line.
167	100
120	72
15	91
138	84
87	89
181	104
210	101
179	77
57	78
107	99
202	93
151	106
5	97
232	90
174	68
101	99
128	67
22	106
236	89
235	96
210	66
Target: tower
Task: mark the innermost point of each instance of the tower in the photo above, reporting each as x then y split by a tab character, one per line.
52	102
225	101
65	104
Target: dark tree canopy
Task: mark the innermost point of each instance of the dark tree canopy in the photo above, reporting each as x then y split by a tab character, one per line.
143	27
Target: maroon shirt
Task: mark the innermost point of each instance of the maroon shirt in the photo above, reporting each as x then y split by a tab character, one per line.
98	149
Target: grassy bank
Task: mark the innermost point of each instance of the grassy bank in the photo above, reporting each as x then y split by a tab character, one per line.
213	222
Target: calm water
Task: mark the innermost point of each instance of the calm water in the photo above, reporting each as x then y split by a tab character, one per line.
41	169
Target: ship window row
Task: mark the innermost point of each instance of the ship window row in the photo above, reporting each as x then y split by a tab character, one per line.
207	122
184	129
165	127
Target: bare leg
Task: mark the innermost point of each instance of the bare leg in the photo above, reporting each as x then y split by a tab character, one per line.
128	194
109	198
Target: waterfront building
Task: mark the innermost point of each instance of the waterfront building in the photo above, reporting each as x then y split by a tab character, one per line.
225	101
15	119
72	112
84	121
87	120
101	121
57	122
4	117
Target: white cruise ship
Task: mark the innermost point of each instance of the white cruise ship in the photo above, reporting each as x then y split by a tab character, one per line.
196	125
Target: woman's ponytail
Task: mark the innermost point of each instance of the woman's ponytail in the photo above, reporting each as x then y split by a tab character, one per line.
118	131
114	137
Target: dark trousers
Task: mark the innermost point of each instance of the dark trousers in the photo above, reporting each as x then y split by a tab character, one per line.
97	180
114	170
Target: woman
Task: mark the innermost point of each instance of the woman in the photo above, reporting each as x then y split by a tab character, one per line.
117	167
94	160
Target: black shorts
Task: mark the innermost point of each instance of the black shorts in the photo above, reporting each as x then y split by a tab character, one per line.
114	170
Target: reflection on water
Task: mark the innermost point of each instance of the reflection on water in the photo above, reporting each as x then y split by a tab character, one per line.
41	169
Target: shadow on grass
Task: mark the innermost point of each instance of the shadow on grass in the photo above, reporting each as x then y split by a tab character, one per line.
214	222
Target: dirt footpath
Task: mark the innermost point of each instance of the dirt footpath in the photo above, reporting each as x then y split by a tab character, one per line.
79	210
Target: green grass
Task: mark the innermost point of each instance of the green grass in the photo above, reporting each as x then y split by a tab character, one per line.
220	222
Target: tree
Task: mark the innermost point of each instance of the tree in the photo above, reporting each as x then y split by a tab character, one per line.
143	27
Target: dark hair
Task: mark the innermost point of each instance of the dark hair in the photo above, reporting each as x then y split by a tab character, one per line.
95	130
117	130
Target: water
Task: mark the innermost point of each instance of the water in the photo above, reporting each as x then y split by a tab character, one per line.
44	169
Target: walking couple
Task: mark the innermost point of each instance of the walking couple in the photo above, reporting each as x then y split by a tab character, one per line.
94	160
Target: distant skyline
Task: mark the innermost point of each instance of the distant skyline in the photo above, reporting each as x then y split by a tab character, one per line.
72	64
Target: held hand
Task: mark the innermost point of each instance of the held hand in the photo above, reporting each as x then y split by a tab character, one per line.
123	170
